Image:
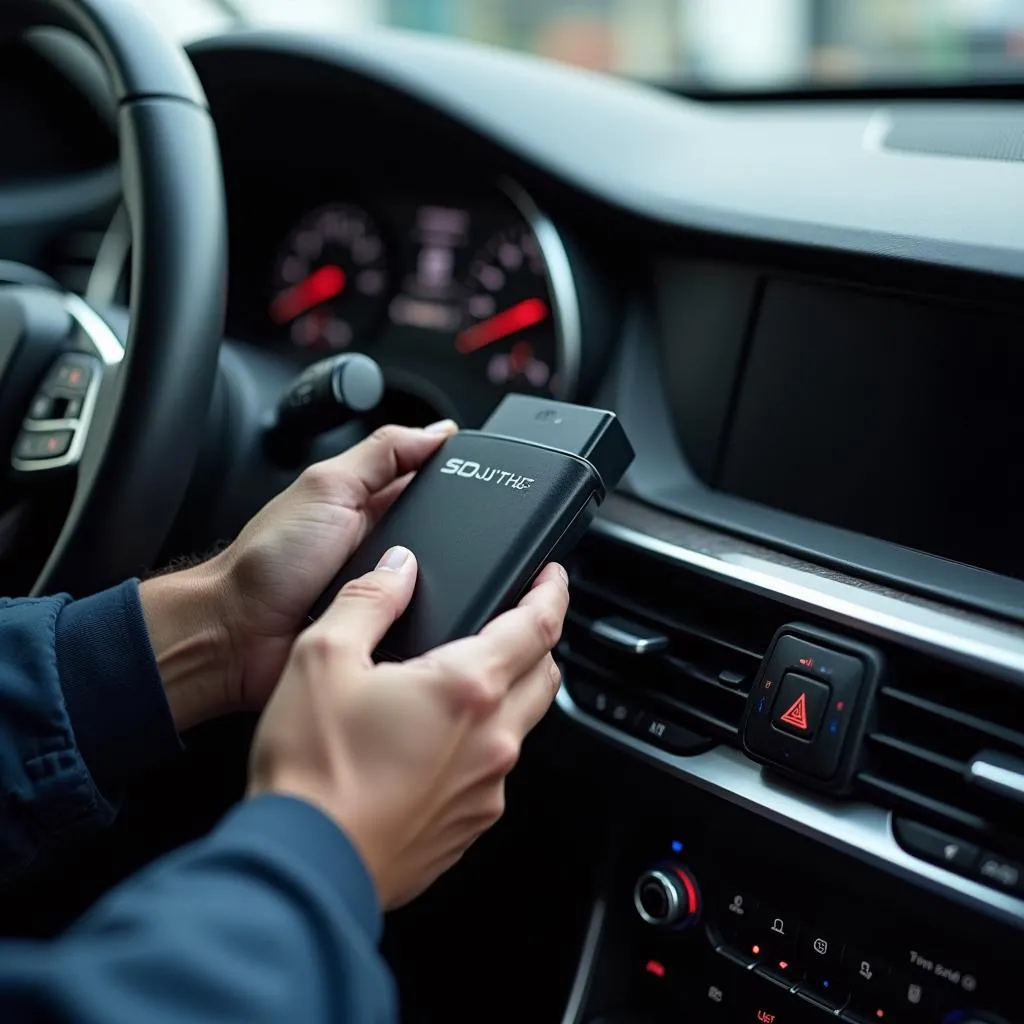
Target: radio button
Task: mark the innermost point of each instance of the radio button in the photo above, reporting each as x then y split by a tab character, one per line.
822	956
871	997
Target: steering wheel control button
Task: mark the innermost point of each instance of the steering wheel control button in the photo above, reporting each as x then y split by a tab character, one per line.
72	374
41	408
808	706
39	445
800	705
932	845
667	897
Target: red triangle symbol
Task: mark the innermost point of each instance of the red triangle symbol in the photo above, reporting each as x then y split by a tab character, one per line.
797	714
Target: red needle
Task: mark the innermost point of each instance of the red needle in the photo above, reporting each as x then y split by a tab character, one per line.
516	318
323	284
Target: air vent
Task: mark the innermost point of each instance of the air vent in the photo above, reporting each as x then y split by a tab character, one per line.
933	721
658	646
73	258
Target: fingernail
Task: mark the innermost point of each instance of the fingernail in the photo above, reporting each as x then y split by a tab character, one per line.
394	559
442	427
564	575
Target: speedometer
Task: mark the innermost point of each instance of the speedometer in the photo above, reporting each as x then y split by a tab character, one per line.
510	334
331	279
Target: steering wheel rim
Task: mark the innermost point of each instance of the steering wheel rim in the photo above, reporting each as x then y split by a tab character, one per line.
143	444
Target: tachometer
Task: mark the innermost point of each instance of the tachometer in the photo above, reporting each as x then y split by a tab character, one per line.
510	334
331	279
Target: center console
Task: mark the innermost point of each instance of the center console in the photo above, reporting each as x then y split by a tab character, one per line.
822	789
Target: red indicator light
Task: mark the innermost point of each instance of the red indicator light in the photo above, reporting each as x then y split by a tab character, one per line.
655	968
807	662
796	716
840	704
784	965
879	1014
756	950
765	1017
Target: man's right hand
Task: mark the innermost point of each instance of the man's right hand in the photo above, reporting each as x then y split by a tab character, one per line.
409	759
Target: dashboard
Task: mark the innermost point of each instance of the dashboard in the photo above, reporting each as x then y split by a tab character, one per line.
790	739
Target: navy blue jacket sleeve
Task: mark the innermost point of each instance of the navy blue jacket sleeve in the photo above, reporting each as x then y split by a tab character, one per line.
271	918
82	714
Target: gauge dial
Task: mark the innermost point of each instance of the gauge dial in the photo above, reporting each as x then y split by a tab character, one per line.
509	334
331	278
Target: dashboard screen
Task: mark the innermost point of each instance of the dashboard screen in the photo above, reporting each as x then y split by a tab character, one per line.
894	418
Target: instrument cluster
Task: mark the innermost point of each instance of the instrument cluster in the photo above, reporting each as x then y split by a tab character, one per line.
459	301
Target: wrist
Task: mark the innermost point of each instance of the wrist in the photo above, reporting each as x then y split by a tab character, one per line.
188	615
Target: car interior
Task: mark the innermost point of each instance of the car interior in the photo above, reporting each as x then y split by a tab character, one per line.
783	780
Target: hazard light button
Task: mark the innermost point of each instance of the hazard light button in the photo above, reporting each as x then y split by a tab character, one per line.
800	706
810	705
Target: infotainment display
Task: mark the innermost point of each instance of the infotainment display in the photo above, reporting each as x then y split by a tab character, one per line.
895	418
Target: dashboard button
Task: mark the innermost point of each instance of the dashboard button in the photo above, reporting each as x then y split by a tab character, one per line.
734	915
675	739
821	955
41	407
773	940
761	1002
71	374
1002	873
867	977
935	846
800	706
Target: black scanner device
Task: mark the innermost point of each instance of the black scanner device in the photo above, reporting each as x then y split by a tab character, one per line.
487	512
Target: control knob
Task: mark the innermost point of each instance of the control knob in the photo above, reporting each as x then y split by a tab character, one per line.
667	896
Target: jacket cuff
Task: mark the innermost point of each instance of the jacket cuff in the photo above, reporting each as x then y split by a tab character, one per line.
112	687
291	830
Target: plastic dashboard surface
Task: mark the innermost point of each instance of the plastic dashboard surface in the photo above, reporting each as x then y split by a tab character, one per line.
815	174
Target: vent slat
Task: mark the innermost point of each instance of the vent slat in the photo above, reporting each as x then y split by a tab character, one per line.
921	753
699	680
956	716
914	801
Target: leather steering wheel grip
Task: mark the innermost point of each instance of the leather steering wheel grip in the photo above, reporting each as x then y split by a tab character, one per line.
173	189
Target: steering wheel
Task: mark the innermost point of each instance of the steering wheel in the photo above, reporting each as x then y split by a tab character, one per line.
128	419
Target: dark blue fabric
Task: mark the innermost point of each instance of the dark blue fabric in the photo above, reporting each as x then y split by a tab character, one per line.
82	714
271	919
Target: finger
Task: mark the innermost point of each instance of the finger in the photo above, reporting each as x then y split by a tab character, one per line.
366	607
531	697
510	645
389	453
386	497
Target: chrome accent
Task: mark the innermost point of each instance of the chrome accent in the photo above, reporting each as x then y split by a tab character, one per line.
584	971
561	283
623	634
671	893
930	628
103	344
858	829
998	774
111	258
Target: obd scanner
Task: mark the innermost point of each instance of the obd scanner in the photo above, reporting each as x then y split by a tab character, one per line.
487	512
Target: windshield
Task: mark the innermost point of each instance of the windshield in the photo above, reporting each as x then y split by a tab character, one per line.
710	44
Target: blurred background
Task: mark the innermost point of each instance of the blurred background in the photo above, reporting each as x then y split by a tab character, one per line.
726	44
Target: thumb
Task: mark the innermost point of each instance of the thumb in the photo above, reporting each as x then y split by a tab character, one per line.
366	607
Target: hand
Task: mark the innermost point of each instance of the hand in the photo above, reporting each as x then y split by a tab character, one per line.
409	759
222	630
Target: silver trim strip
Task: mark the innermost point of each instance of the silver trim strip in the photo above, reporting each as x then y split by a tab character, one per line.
103	344
111	258
562	284
858	829
584	971
950	634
